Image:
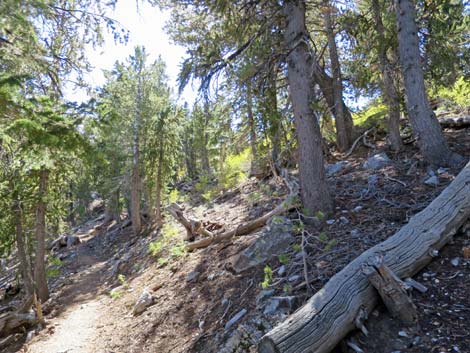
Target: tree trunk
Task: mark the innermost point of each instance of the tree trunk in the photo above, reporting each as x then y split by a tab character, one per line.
158	198
40	233
252	127
331	313
390	94
424	124
206	167
23	256
326	86
314	189
344	136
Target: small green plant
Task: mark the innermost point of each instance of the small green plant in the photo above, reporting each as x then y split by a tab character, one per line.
162	261
323	237
268	277
53	269
287	288
155	247
277	220
254	197
115	294
123	281
297	247
173	196
320	215
283	259
169	230
299	227
178	250
331	244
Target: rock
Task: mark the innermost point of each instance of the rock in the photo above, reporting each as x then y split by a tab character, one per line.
271	306
442	170
146	299
455	261
281	271
274	240
293	278
372	180
358	208
72	240
377	161
234	319
332	169
266	293
330	222
343	220
355	233
402	334
432	181
192	276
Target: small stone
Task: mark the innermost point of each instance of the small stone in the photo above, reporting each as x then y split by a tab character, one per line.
456	349
234	319
192	276
432	181
332	169
358	208
145	300
330	222
293	278
264	294
402	334
377	161
343	220
455	261
355	233
271	306
281	271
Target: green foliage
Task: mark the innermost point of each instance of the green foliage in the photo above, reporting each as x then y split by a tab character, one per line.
456	97
297	247
299	227
53	269
155	247
268	277
122	280
234	170
178	250
371	116
283	259
115	294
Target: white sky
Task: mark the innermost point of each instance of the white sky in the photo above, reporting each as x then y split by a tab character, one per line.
146	28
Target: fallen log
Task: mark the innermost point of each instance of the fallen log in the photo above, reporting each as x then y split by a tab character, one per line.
331	313
455	121
194	227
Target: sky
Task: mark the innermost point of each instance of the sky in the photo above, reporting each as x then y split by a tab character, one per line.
145	25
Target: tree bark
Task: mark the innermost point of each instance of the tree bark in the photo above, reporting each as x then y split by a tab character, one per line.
40	233
314	189
330	314
158	198
431	141
136	182
390	94
344	127
252	127
23	256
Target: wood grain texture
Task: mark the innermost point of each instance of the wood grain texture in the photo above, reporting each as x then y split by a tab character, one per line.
329	315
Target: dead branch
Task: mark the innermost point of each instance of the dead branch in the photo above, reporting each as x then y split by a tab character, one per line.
194	227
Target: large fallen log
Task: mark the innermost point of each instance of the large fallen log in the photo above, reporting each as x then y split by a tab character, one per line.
330	314
455	121
194	227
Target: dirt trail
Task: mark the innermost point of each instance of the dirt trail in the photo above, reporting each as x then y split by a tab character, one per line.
80	305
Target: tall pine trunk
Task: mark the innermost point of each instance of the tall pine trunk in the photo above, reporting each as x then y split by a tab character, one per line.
344	126
426	128
23	256
314	189
390	94
40	233
252	127
136	181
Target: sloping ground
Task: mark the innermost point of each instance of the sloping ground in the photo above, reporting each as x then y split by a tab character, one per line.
198	293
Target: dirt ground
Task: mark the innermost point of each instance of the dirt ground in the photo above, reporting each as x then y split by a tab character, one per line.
197	293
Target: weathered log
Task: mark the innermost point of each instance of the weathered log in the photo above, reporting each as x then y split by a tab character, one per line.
194	227
330	314
391	290
455	121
